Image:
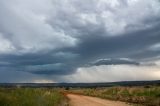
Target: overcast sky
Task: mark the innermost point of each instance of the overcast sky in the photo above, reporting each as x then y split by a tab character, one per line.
79	40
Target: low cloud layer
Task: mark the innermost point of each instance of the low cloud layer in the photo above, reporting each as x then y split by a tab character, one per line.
50	40
121	61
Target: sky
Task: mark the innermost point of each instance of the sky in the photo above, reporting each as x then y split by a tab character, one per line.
79	40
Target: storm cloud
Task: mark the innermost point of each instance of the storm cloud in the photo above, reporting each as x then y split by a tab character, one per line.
53	39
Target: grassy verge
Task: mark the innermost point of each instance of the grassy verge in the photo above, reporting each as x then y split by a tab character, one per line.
31	97
148	96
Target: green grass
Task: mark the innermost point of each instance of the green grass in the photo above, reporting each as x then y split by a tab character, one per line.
148	96
30	97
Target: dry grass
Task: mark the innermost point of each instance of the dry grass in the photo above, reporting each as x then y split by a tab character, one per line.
30	97
148	96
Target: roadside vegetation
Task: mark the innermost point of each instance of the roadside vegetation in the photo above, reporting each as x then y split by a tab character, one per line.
147	95
31	97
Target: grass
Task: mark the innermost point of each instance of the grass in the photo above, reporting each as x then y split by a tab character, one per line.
30	97
148	96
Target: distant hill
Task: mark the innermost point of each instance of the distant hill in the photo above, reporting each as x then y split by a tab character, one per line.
84	85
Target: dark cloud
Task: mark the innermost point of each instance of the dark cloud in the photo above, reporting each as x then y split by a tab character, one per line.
89	49
50	63
131	45
56	37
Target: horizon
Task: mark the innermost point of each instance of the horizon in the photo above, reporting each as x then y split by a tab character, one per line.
76	41
77	82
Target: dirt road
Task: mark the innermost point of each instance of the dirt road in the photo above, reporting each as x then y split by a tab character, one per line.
79	100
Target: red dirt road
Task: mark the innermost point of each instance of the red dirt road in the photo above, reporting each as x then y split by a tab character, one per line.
79	100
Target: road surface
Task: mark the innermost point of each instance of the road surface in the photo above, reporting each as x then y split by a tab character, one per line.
79	100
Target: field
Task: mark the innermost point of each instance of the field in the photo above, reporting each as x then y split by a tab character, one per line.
147	95
31	97
137	95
